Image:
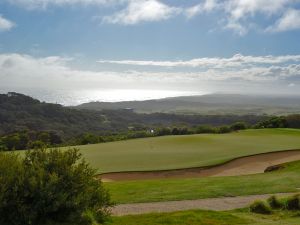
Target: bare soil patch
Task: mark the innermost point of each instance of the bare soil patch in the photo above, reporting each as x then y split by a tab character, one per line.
241	166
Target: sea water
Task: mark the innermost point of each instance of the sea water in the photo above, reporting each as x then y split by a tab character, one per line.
76	97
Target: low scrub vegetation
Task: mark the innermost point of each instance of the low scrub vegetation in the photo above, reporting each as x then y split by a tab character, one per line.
291	203
260	207
275	203
50	187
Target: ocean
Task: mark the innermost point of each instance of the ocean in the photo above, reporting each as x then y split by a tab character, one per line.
72	97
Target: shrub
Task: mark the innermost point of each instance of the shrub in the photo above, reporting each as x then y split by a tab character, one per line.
36	145
274	168
224	130
89	139
164	131
205	130
260	207
275	203
238	126
50	187
274	122
293	203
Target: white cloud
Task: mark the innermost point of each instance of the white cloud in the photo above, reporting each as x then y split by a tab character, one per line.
239	9
55	73
43	4
239	12
142	11
237	60
49	72
133	11
5	24
289	21
237	27
206	6
252	74
291	85
236	15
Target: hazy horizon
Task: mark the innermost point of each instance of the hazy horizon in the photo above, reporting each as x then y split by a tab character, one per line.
74	98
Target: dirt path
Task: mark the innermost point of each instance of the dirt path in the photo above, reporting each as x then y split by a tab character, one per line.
217	204
241	166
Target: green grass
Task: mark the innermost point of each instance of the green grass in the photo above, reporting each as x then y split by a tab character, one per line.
173	152
286	180
198	217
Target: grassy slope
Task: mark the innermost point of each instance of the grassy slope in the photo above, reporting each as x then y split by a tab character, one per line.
286	180
171	152
209	218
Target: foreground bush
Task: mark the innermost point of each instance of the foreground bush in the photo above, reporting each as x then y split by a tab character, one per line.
260	207
50	187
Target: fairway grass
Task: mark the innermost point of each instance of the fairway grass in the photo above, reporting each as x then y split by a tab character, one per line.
197	217
177	152
285	180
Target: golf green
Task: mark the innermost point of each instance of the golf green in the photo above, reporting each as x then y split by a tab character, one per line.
174	152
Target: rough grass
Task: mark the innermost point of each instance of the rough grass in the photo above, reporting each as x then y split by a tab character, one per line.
180	218
174	152
285	180
197	217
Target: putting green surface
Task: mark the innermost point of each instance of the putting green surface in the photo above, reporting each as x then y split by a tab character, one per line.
175	152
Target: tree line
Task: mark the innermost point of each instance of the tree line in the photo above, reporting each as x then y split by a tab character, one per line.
26	139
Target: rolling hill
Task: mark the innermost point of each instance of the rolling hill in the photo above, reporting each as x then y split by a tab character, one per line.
19	112
207	104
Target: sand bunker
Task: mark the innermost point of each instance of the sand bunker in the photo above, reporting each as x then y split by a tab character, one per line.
241	166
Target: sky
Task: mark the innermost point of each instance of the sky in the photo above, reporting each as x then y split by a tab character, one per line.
141	49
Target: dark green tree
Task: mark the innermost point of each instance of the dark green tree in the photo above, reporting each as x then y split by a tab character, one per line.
164	131
36	145
293	121
238	126
89	139
224	129
175	131
274	122
11	142
50	187
44	137
205	129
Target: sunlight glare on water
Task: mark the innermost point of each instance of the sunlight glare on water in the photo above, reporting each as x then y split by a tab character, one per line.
68	97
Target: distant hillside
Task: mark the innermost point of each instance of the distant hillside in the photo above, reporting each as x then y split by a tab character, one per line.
19	112
214	104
